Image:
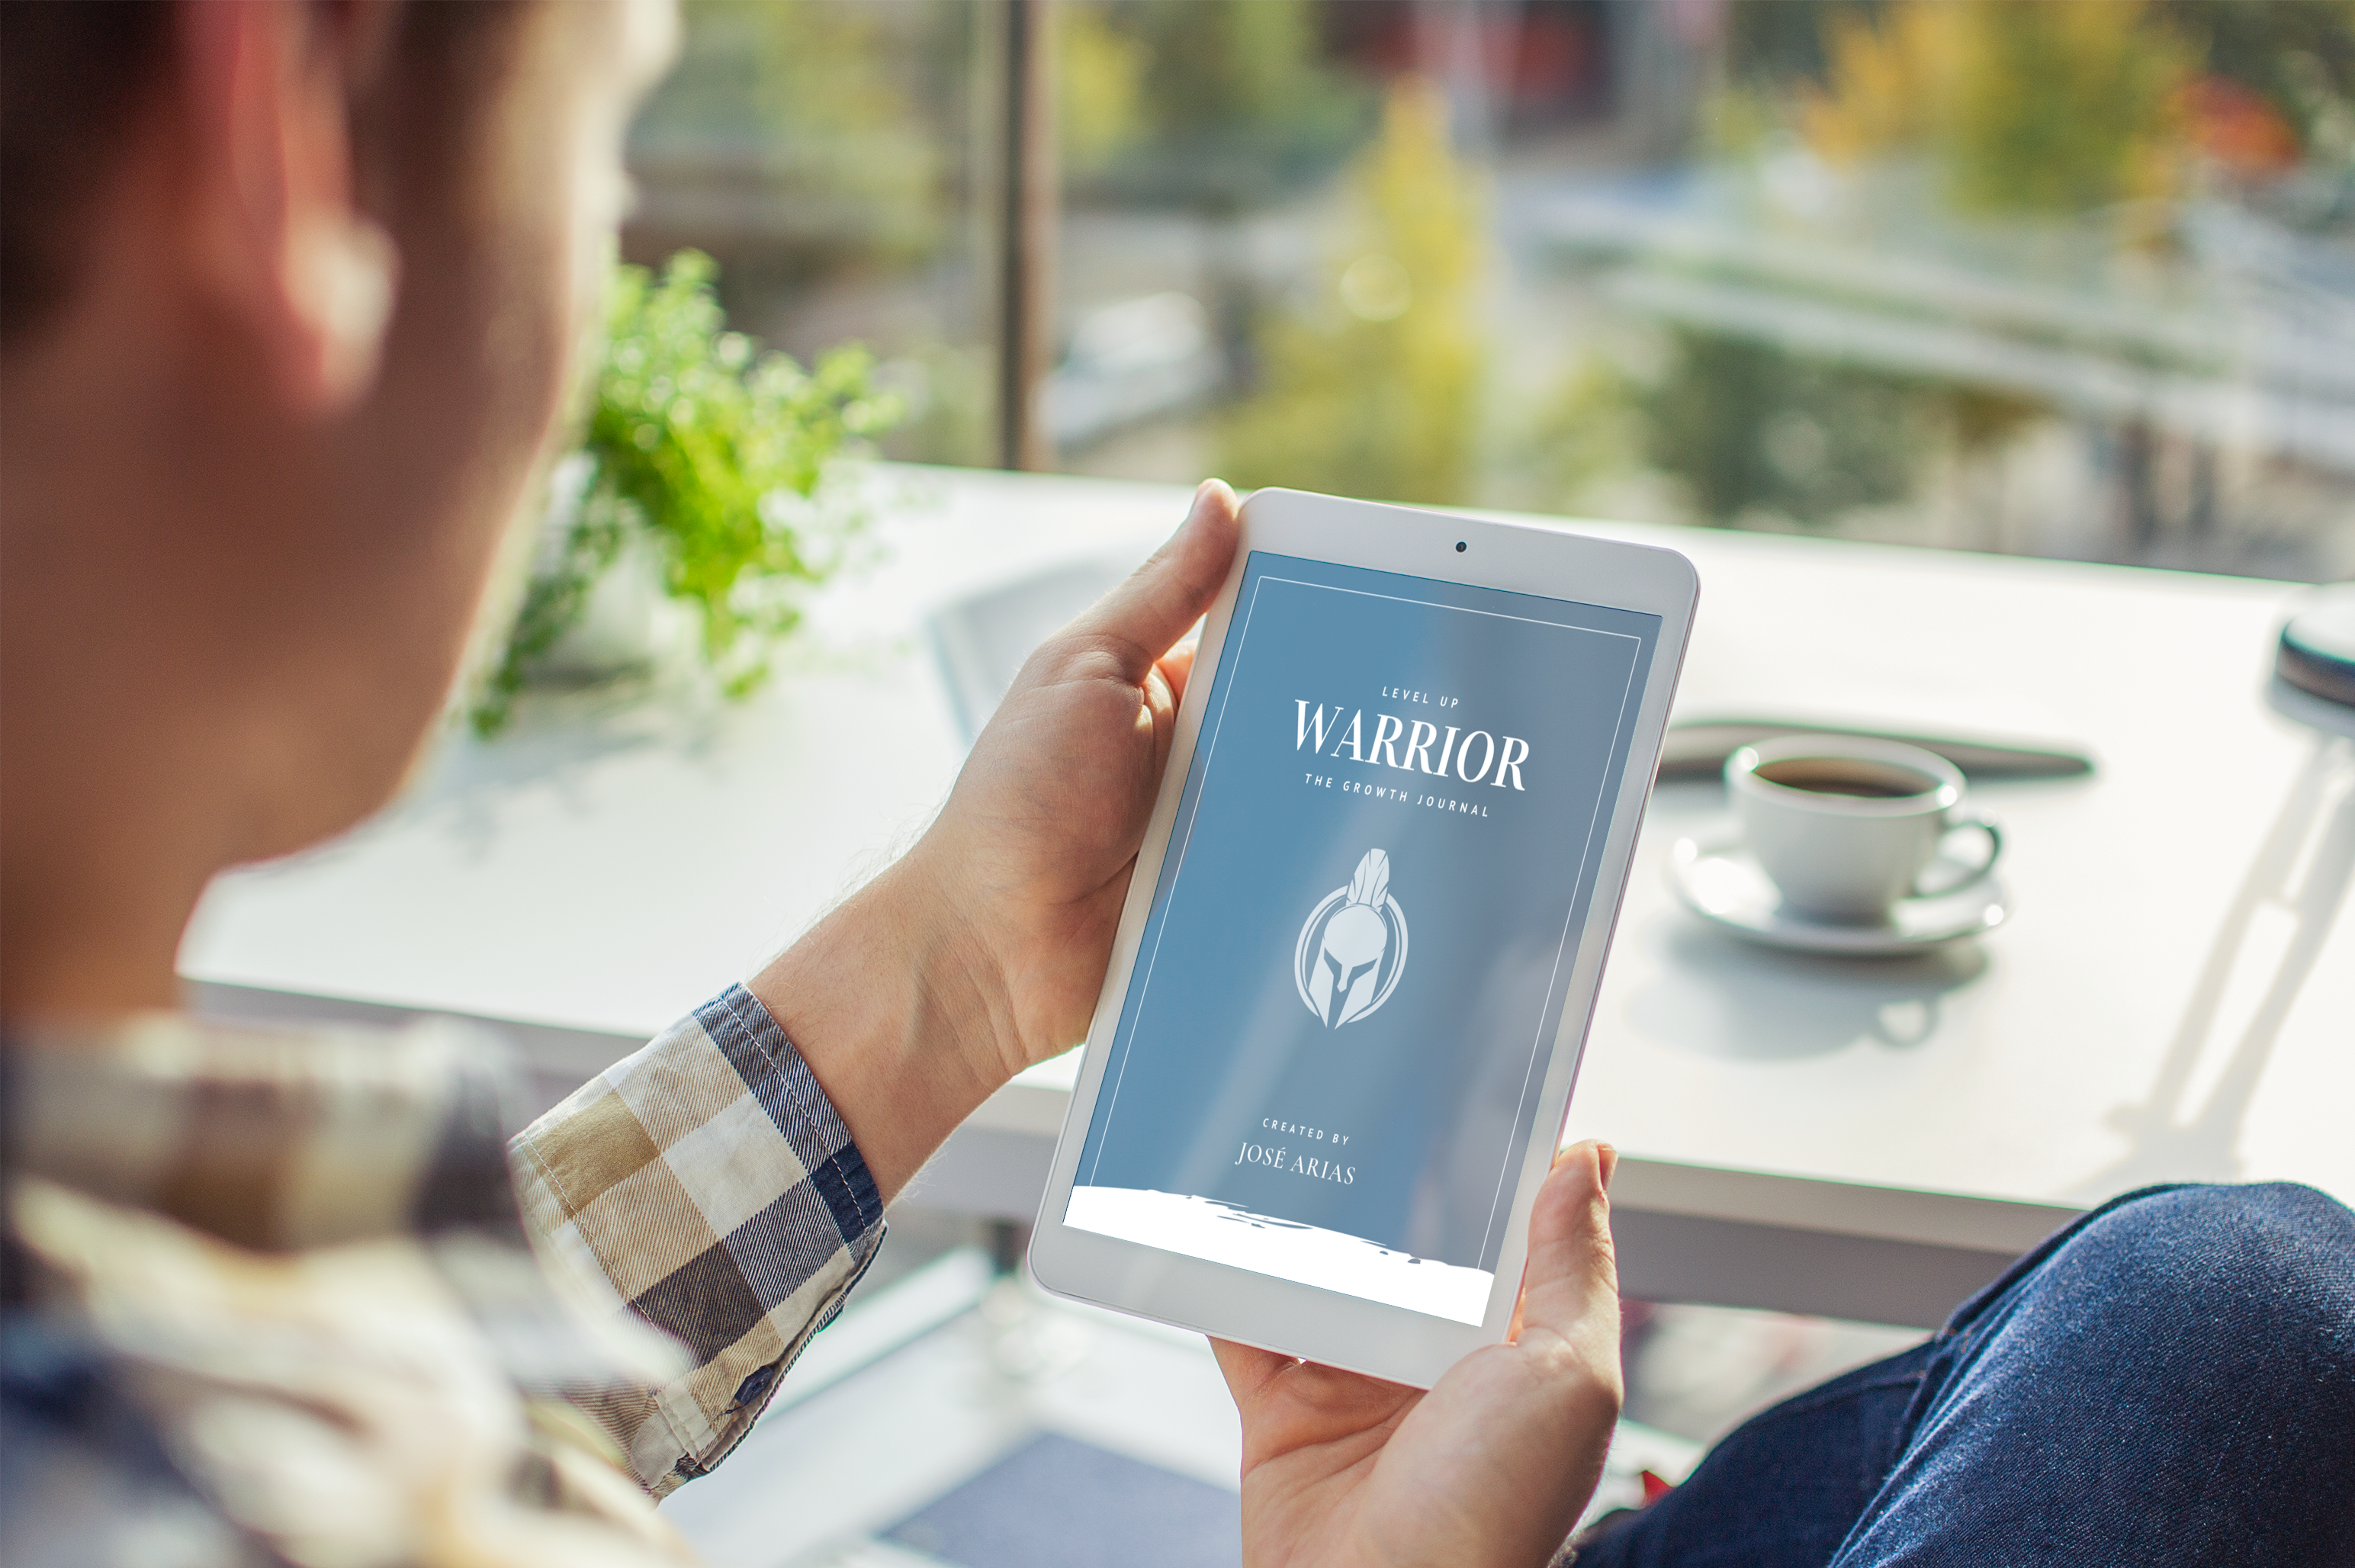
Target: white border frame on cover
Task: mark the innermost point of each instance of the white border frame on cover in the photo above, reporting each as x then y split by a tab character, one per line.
1296	1320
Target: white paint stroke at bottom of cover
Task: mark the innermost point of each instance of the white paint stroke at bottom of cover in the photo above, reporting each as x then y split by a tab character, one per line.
1304	1254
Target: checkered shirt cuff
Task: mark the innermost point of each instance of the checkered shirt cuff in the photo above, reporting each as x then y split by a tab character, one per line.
707	1182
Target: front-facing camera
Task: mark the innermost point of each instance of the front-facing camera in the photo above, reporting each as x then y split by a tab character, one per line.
1459	546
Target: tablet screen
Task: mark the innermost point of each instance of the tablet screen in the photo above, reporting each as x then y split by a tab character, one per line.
1363	933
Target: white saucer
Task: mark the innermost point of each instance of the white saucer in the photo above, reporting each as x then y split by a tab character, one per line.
1719	881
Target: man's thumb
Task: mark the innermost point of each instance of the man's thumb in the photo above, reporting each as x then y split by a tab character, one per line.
1572	1274
1150	610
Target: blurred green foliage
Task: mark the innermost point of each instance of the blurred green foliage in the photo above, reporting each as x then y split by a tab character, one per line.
714	454
825	151
1748	426
1749	431
2026	113
1099	81
2297	56
1589	432
2065	105
1210	103
1226	65
2062	106
2052	106
1372	386
1774	46
848	114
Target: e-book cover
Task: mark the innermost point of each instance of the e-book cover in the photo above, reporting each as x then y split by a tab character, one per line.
1363	933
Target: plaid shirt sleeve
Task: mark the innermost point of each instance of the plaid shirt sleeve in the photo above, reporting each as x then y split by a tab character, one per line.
707	1182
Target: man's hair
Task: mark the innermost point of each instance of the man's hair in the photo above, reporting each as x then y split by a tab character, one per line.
75	76
71	78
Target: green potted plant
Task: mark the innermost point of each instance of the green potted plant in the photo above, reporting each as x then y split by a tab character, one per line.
705	466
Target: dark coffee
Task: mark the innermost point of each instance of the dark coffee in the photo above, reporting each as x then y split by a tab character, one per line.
1856	776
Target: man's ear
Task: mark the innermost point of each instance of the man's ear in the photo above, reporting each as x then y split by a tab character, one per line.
280	239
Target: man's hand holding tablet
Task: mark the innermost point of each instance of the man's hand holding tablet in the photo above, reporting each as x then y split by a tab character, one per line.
1492	1465
1011	907
1334	1049
981	951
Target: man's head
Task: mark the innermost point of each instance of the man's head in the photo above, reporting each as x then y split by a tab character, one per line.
292	290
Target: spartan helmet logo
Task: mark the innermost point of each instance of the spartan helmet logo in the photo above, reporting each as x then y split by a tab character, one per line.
1352	949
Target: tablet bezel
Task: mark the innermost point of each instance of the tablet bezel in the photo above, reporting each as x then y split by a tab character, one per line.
1294	1319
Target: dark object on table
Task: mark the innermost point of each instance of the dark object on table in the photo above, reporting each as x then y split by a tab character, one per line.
2316	653
1056	1502
1696	749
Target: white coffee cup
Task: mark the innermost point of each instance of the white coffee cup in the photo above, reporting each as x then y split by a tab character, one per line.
1845	826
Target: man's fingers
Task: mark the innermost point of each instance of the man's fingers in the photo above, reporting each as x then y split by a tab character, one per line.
1150	610
1572	1274
1177	665
1247	1368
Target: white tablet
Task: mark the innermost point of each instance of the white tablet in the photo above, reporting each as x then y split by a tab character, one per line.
1335	1049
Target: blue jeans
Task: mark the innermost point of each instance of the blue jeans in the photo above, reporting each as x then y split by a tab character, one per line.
2169	1380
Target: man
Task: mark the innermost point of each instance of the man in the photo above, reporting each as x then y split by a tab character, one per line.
292	291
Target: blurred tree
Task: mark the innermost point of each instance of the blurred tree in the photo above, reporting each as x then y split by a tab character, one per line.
1750	431
1590	431
2028	105
2297	55
1221	64
823	152
1370	388
2034	107
1748	427
1234	102
2055	105
1888	80
828	125
2063	105
1774	46
1100	88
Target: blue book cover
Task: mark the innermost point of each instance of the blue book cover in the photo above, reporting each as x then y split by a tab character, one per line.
1360	943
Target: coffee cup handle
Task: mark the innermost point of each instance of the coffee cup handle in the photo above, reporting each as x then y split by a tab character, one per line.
1956	823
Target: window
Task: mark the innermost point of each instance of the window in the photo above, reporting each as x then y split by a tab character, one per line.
834	157
2058	277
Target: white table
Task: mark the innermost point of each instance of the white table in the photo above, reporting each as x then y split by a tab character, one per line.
1863	1139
